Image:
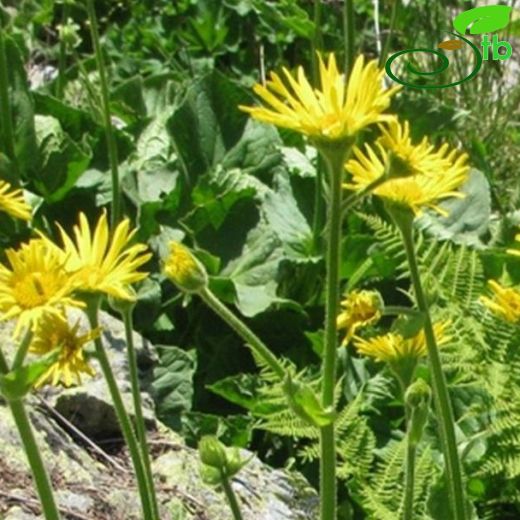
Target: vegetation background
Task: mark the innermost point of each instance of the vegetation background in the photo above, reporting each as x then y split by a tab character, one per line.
242	194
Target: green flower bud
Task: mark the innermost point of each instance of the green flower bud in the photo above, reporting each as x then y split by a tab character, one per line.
417	398
213	453
123	306
68	34
184	270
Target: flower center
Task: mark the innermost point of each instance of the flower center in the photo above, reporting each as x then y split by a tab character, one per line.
35	289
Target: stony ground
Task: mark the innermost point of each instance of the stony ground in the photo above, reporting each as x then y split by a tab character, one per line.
90	469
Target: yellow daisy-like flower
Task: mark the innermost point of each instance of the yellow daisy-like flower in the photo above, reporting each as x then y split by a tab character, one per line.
13	203
34	284
505	301
334	112
359	309
392	347
55	332
104	263
184	270
515	252
422	158
428	176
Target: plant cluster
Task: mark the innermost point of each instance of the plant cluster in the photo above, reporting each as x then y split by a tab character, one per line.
277	193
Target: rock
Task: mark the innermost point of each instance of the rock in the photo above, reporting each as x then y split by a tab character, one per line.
99	486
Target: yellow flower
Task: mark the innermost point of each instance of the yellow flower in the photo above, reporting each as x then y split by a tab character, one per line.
13	203
425	177
55	332
422	158
515	252
392	347
184	270
505	302
34	284
104	263
334	112
360	308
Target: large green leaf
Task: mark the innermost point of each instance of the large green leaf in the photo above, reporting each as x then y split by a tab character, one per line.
255	272
468	217
22	114
207	123
172	385
287	221
62	160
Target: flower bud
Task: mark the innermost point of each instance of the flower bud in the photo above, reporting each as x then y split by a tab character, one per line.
212	453
123	306
68	34
184	270
417	400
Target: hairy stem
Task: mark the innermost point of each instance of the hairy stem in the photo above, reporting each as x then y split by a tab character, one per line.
335	160
439	385
41	479
411	450
254	342
138	408
231	498
122	416
22	349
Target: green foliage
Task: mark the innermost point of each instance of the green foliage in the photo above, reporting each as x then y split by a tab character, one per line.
241	194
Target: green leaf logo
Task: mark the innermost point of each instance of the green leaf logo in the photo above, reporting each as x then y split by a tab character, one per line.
484	19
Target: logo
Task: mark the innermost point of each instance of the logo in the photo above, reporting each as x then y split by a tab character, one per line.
479	20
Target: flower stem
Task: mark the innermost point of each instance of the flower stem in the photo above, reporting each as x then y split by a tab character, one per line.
255	343
22	349
138	409
411	449
41	479
348	35
231	498
62	59
316	41
109	133
439	385
122	415
388	40
5	107
335	160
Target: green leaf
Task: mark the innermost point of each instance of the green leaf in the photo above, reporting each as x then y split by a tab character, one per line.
408	326
468	218
305	403
22	107
18	383
207	123
75	122
243	390
233	430
172	386
216	193
62	160
255	271
287	221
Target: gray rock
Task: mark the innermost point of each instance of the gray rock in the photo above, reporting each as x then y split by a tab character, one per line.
101	487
